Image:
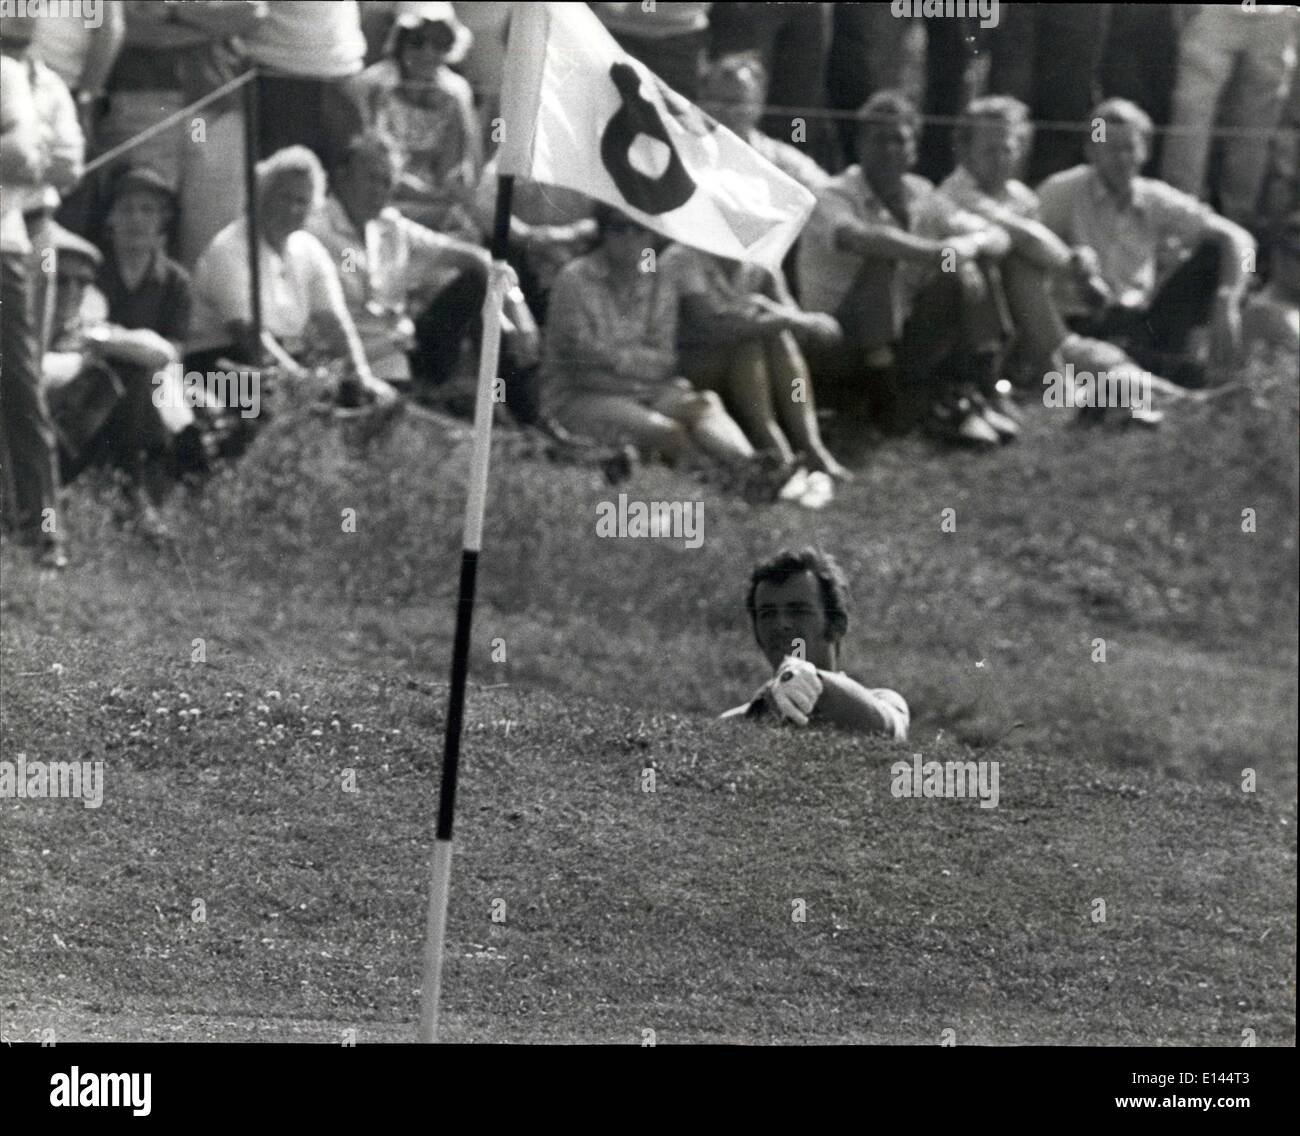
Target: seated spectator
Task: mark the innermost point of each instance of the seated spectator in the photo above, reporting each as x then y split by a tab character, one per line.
101	374
610	360
414	96
303	311
734	91
912	280
1272	316
991	141
1148	307
738	336
798	610
414	294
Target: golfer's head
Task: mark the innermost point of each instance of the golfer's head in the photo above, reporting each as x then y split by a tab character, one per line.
798	604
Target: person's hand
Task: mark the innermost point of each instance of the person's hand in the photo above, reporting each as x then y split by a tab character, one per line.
384	393
820	328
794	690
526	346
1225	328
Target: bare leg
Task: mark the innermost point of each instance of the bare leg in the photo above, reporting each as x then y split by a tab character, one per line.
791	390
618	419
1029	296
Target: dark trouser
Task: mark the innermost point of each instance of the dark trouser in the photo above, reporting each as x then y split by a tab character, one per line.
454	313
133	438
1140	62
953	335
1047	55
1157	335
30	449
316	113
948	88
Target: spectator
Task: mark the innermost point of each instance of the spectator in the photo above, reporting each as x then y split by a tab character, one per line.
737	335
306	52
1272	316
1129	221
173	55
1252	48
871	255
792	41
414	96
669	38
991	140
28	457
149	306
303	309
610	361
798	610
101	375
409	289
63	150
733	91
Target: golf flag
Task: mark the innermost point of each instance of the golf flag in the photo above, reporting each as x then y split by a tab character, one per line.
580	112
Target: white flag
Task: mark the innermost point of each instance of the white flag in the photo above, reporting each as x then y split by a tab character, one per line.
580	112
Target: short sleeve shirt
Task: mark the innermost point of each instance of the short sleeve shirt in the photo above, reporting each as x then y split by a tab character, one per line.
294	286
1130	240
961	188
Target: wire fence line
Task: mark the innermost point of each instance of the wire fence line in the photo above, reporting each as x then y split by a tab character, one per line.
805	112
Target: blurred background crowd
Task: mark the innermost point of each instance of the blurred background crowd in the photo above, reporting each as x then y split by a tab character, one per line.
1162	142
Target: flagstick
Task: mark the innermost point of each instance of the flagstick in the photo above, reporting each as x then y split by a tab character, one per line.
436	929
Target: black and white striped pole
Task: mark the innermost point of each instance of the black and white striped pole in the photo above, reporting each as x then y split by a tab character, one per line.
436	929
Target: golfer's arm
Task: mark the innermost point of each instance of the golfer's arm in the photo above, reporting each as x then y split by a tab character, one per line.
851	705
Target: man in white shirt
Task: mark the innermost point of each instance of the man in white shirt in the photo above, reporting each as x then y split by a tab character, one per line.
798	606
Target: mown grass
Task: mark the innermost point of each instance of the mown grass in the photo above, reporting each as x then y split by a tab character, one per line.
671	910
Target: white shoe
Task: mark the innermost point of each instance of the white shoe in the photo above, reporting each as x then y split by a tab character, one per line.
796	487
820	491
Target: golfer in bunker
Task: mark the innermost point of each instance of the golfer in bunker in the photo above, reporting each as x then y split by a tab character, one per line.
798	606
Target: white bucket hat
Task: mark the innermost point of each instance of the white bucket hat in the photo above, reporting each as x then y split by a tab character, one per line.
413	13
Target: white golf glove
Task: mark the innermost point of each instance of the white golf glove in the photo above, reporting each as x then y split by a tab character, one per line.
794	689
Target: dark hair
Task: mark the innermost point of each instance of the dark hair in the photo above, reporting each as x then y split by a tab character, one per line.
831	582
886	107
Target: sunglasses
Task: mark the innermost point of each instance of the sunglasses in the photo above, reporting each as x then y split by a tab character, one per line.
438	36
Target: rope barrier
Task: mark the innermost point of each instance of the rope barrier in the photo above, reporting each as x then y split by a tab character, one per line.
168	122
